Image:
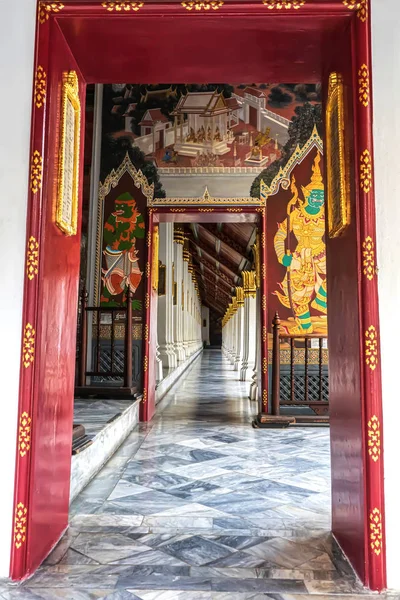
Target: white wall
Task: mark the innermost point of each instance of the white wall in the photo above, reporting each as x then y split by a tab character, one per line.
17	28
386	74
205	331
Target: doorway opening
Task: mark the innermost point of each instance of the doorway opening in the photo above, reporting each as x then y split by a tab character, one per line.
310	55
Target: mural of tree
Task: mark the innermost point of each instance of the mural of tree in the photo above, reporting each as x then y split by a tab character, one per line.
300	129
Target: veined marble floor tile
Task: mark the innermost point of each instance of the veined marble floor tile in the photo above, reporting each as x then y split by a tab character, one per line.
198	505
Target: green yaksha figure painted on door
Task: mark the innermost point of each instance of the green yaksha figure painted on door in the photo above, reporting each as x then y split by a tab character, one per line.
122	228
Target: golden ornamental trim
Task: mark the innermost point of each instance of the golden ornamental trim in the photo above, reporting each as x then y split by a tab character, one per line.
36	171
144	399
264	333
262	238
371	348
178	204
32	258
147	300
206	210
40	87
264	365
20	524
202	5
265	398
45	8
361	6
264	302
178	210
235	209
374	438
145	363
369	265
148	238
249	284
363	85
263	271
147	270
120	5
375	531
146	333
240	296
28	348
24	434
366	171
287	4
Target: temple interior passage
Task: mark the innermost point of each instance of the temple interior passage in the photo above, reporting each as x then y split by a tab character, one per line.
199	505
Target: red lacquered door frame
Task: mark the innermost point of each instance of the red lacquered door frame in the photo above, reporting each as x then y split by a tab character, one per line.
267	40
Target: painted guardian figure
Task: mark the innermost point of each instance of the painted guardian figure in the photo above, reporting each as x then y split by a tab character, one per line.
121	230
304	285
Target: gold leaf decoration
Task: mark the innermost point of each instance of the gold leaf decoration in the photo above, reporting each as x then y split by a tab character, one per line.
279	4
265	398
145	363
40	87
363	85
369	266
366	171
205	210
32	258
202	5
178	210
264	333
371	348
147	301
264	365
146	333
20	521
148	239
147	269
263	271
36	171
45	8
263	239
235	209
28	350
144	399
24	434
361	6
264	302
374	438
120	6
375	531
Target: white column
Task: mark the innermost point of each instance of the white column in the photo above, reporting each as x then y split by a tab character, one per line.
186	277
165	325
249	328
239	327
254	387
178	313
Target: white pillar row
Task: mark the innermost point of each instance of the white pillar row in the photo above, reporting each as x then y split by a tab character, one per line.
239	328
234	331
253	395
185	292
249	327
178	311
165	325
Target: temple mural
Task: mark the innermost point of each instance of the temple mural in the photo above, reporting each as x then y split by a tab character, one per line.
296	241
219	136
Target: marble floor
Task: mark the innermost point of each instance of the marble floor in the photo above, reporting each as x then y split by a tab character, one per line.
198	505
95	414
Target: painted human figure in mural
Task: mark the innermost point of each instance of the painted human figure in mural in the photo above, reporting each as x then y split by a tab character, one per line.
121	230
304	285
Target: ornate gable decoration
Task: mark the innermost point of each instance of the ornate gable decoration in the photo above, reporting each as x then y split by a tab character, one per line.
282	179
205	200
139	180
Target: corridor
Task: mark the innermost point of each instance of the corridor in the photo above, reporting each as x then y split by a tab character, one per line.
198	505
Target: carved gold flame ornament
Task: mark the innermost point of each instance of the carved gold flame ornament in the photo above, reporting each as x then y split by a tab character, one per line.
374	438
369	266
40	87
28	349
45	8
375	531
204	5
371	348
122	6
279	4
36	171
32	258
24	434
366	171
20	521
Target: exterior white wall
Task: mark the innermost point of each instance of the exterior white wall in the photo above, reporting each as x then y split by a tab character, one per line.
386	81
205	331
17	29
